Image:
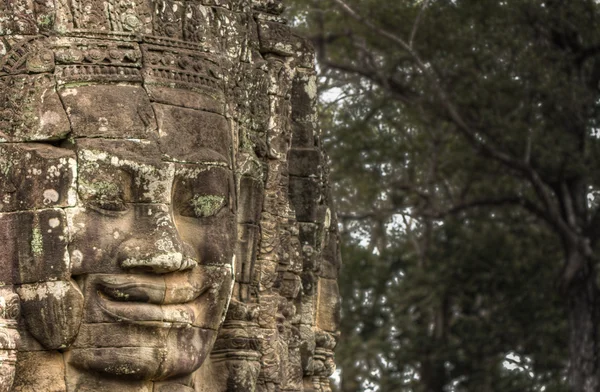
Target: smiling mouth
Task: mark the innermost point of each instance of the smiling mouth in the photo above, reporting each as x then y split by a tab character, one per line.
142	298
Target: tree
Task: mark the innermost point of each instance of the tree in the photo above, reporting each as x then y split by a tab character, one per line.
414	304
511	89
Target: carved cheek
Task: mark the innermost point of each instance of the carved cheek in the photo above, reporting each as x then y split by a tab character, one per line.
213	242
203	211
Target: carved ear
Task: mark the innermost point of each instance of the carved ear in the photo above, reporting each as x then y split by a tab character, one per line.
52	312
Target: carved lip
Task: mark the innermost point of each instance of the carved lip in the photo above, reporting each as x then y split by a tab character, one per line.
142	299
153	289
134	292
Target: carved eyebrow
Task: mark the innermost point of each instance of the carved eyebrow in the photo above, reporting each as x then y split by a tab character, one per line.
201	156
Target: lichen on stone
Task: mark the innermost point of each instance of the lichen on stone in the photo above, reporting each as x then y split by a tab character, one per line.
37	244
207	205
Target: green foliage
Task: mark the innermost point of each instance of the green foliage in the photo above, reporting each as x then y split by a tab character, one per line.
456	161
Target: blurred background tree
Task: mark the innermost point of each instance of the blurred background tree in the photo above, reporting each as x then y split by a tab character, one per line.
464	143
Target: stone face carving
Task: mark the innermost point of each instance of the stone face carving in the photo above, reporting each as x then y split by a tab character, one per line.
165	220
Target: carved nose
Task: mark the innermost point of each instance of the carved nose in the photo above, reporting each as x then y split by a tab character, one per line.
158	256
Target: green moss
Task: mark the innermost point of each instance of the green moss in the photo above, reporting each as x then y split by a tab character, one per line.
37	243
105	188
104	194
207	205
5	167
46	21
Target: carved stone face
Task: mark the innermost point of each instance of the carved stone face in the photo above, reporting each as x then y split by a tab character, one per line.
152	238
151	235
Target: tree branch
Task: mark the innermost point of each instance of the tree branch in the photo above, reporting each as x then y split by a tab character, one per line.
481	144
413	33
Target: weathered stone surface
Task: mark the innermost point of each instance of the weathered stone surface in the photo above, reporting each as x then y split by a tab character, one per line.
52	312
304	110
109	111
34	246
251	200
40	371
9	336
162	234
331	257
36	176
28	54
304	162
328	311
207	135
305	194
30	109
275	38
113	173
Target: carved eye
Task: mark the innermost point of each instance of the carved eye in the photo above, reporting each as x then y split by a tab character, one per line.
110	205
107	196
203	206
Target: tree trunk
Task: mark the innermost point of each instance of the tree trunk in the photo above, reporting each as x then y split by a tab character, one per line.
433	375
583	337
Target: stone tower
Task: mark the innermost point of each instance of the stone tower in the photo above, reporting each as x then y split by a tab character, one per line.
165	220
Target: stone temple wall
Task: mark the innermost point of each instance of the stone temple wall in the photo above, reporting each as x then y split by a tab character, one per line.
165	216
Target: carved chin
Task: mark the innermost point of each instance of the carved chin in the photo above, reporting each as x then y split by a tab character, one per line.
181	353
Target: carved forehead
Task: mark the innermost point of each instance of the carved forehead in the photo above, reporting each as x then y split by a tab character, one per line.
126	112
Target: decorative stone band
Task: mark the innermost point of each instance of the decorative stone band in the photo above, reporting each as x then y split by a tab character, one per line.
26	56
116	57
97	73
174	66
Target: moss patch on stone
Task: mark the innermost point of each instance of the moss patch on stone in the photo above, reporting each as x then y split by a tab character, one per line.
207	205
37	244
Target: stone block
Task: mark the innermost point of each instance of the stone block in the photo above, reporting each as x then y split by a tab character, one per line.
185	98
274	7
290	285
304	195
248	236
250	200
275	38
207	135
309	284
25	54
40	371
231	31
307	347
83	367
26	17
52	312
30	109
36	176
304	93
303	134
34	246
279	133
113	172
332	260
109	111
305	162
328	305
120	335
168	20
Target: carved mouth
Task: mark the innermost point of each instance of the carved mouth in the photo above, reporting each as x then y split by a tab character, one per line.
142	298
134	292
